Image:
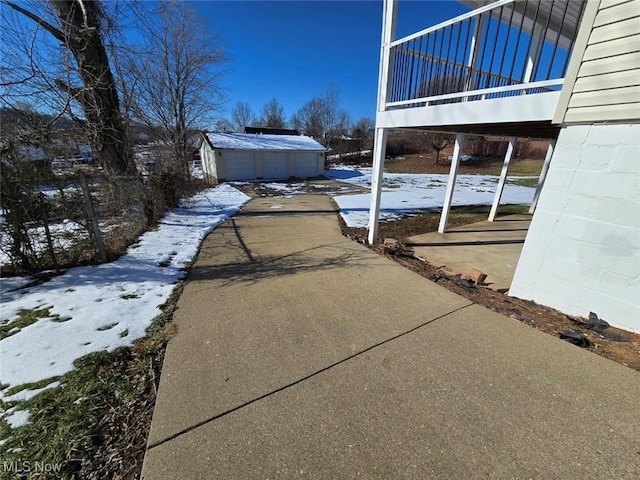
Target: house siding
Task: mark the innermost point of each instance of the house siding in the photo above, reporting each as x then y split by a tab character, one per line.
207	156
607	84
582	252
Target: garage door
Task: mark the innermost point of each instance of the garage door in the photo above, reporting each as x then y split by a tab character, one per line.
306	165
239	165
275	165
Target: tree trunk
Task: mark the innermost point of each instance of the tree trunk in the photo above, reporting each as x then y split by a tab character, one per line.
80	23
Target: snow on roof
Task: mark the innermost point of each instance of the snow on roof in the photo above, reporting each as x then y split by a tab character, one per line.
247	141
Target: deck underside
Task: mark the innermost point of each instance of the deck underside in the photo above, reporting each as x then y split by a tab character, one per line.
520	130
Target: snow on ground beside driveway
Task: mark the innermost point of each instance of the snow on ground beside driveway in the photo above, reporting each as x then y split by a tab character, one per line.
107	306
64	235
403	194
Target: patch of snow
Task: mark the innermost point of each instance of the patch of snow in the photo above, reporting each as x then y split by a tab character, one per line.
344	173
52	192
284	187
340	156
8	284
110	305
17	418
29	394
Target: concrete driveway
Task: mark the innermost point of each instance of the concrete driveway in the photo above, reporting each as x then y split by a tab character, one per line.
301	354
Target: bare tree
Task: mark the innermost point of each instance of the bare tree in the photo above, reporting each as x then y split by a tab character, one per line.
273	114
86	78
311	118
242	115
331	100
177	76
224	125
343	125
321	117
438	141
362	132
296	122
363	128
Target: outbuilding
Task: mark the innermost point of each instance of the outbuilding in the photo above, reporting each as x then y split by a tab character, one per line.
240	156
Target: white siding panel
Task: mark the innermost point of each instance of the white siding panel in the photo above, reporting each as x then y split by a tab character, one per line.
607	85
606	97
603	113
617	13
211	164
613	48
612	3
629	61
614	31
609	80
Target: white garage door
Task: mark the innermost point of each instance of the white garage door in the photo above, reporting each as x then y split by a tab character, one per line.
275	165
239	165
306	165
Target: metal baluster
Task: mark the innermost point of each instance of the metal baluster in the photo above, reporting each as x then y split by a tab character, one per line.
555	45
515	55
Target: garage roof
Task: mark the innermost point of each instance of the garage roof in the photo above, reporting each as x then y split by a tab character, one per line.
245	141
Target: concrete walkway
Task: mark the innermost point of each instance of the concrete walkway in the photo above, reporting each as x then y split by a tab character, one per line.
301	354
491	247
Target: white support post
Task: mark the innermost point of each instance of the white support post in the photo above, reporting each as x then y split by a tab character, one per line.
534	57
451	184
503	178
473	54
389	18
543	176
379	149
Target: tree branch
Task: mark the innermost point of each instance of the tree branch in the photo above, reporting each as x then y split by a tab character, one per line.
40	21
74	92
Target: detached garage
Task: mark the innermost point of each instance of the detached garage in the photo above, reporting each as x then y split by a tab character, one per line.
241	156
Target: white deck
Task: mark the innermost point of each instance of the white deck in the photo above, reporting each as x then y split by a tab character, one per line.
524	108
498	69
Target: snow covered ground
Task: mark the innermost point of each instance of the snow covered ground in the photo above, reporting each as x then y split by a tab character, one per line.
106	306
403	194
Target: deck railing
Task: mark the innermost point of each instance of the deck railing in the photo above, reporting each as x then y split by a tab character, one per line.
507	48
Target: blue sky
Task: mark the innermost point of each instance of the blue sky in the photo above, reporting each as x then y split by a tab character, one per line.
295	50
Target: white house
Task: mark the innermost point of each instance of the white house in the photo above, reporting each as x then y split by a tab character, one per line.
566	70
239	156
